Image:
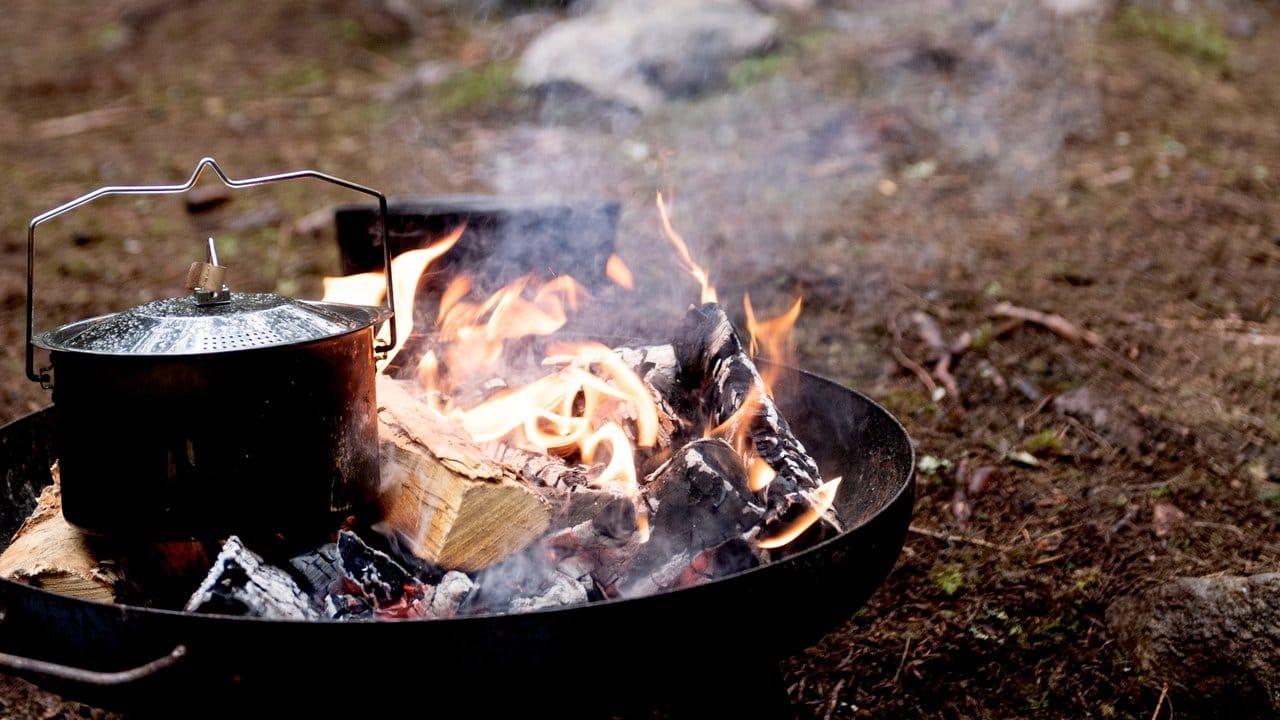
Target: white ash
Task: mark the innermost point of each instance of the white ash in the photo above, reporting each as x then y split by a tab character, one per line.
564	590
452	589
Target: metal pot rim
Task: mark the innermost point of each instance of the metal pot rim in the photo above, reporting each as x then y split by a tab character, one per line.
171	335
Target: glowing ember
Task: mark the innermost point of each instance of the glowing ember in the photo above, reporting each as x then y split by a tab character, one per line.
686	260
821	501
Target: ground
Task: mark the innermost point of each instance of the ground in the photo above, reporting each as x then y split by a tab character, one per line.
895	163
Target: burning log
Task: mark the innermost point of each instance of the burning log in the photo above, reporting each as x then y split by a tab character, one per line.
240	583
445	500
600	550
727	393
373	584
50	553
702	501
537	468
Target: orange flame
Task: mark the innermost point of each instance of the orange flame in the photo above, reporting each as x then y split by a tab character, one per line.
774	337
821	500
406	270
759	474
573	409
686	260
619	273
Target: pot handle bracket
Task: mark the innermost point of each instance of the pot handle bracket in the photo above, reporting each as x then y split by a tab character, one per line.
45	377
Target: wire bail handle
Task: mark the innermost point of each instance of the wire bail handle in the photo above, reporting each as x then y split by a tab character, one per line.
44	377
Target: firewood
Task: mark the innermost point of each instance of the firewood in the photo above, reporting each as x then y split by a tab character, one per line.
240	583
720	378
702	501
447	502
50	553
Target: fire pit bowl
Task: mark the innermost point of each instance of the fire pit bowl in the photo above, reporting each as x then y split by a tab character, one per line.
714	641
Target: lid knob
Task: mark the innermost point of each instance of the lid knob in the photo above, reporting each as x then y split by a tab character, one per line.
206	280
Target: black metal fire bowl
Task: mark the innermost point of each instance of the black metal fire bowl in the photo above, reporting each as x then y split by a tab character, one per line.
718	642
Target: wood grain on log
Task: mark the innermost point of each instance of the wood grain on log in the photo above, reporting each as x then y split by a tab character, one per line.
447	502
50	553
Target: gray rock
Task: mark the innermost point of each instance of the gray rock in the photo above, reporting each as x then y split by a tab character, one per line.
637	54
1214	640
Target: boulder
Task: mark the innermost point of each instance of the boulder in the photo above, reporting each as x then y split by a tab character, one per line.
637	54
1214	640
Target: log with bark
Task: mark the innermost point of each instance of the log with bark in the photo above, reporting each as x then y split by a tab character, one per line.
50	553
445	500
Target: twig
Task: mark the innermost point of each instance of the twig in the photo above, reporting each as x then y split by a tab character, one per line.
1022	421
1164	692
1218	526
932	336
835	698
1056	323
902	662
950	537
80	122
942	371
908	363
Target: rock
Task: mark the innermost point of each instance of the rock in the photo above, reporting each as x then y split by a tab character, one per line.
1214	640
637	54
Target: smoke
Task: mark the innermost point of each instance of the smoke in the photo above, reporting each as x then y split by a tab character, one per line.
986	91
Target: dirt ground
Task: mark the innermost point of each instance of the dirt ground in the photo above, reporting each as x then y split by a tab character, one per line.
902	165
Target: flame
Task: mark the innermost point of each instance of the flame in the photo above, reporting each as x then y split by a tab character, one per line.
407	269
574	409
686	260
759	474
774	337
619	273
820	500
362	289
620	472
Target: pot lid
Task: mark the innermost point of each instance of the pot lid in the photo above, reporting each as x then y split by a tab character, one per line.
184	326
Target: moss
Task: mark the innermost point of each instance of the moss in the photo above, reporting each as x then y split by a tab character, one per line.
1193	38
292	79
949	579
755	70
483	86
1046	442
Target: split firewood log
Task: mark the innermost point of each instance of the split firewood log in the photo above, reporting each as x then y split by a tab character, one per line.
446	501
50	553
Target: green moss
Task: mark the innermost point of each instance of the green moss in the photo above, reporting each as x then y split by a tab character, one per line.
1046	442
1189	37
755	70
949	579
488	85
294	78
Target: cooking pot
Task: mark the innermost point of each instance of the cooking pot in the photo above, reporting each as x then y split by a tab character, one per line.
216	413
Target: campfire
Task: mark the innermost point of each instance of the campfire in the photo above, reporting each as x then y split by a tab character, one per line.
519	469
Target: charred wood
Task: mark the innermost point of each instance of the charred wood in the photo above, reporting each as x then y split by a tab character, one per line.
240	583
699	500
720	379
319	572
374	585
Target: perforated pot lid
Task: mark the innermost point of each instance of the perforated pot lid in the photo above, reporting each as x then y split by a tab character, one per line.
181	326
